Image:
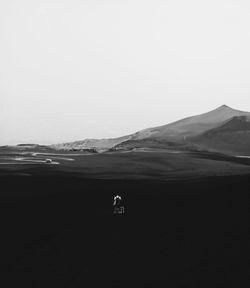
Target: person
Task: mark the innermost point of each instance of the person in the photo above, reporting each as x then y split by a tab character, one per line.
117	200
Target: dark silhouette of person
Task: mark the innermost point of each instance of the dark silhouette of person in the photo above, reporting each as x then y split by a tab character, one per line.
117	200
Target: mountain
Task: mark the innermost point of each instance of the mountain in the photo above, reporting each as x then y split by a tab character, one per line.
181	134
232	137
27	148
209	131
98	144
223	130
191	126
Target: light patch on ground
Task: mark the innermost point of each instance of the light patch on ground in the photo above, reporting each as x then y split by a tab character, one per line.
242	156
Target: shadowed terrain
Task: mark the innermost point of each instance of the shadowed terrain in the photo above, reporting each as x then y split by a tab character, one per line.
181	228
60	231
232	138
136	164
185	208
224	130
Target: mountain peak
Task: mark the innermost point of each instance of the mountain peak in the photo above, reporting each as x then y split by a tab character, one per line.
223	107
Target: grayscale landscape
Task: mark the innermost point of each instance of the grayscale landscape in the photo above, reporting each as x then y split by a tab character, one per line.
124	143
216	143
185	186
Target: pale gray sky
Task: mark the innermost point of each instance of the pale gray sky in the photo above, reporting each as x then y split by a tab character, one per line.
76	69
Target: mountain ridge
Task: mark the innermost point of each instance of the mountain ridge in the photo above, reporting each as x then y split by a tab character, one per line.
193	124
203	131
232	137
175	132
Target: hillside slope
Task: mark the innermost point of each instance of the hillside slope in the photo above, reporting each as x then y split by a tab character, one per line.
98	144
177	134
181	134
233	137
224	130
191	126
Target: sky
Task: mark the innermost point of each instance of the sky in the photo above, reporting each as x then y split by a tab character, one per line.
76	69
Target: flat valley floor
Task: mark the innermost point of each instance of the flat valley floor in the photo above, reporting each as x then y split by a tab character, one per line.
60	231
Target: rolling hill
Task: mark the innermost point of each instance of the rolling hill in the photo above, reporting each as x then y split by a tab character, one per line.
190	126
98	144
188	133
223	130
198	133
233	137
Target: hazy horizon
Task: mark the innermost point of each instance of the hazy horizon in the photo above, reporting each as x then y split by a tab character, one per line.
48	143
75	69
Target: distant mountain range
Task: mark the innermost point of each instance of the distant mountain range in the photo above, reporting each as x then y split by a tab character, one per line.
98	144
223	130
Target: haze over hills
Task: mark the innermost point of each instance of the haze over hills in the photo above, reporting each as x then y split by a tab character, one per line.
191	126
99	144
229	134
174	151
233	137
223	130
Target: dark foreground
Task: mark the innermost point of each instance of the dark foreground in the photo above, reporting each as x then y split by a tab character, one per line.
60	232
